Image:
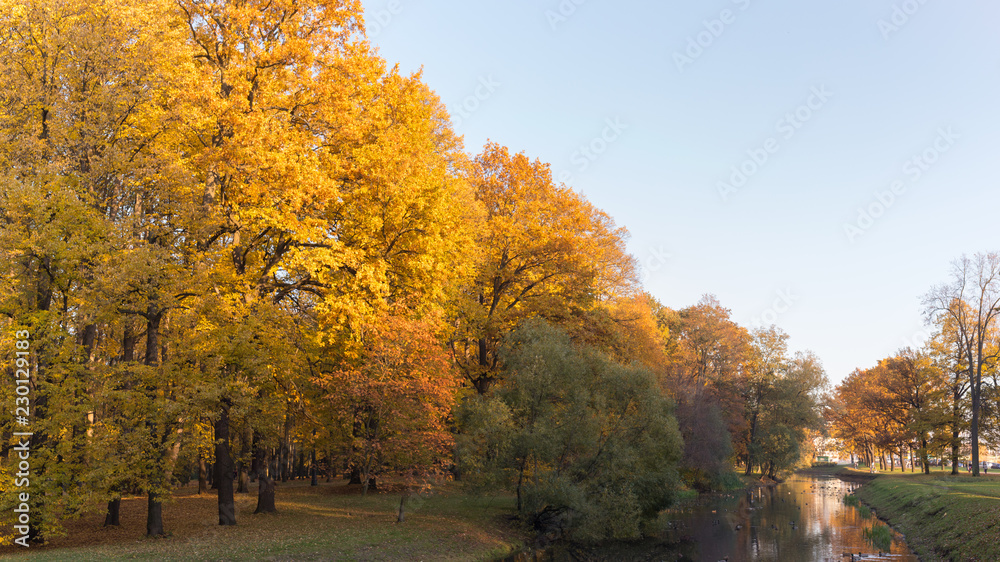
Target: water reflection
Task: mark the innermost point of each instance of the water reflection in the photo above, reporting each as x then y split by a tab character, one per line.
802	519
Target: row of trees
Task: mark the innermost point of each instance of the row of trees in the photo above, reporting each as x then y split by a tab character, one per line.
594	438
941	398
740	394
237	239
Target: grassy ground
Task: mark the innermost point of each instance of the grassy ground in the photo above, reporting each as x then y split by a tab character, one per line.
944	517
329	522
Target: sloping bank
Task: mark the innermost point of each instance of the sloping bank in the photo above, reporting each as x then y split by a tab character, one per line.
943	517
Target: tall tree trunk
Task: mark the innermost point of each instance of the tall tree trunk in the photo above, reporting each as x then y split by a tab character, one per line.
483	381
258	464
89	337
355	475
154	517
129	341
520	480
285	452
974	429
312	468
113	517
153	317
43	287
265	481
401	517
202	474
954	452
154	508
244	483
224	462
265	494
956	421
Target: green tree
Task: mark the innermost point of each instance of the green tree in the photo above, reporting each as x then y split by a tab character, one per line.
589	446
795	406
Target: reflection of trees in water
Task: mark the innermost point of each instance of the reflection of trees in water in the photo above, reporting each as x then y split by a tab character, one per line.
802	519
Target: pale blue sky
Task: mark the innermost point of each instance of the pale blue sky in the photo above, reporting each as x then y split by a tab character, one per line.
550	77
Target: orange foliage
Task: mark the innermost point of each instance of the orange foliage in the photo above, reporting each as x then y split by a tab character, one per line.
393	402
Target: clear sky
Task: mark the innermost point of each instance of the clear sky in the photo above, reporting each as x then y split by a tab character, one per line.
738	140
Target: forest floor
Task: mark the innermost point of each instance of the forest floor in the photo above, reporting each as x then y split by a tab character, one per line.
329	522
943	517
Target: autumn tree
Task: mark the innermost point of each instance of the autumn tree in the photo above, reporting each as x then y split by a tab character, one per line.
709	356
912	390
86	119
901	403
947	357
543	251
851	418
768	365
329	184
971	301
392	401
628	328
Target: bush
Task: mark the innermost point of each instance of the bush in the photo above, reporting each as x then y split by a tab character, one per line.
879	536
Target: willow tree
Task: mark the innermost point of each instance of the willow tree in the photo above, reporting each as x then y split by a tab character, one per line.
588	446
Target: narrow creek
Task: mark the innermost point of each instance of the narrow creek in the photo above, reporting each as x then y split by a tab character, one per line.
802	519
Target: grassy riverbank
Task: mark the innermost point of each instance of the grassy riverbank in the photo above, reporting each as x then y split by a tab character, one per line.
943	517
329	522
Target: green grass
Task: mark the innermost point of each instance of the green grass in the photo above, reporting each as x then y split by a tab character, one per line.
865	512
879	536
331	522
825	469
943	517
